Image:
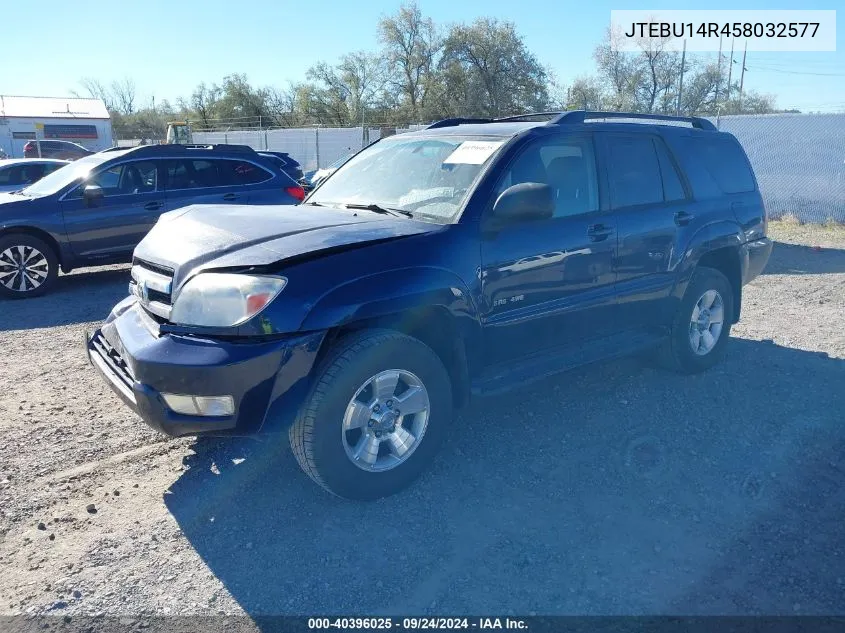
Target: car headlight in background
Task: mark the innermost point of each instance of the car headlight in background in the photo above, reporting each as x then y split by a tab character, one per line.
224	299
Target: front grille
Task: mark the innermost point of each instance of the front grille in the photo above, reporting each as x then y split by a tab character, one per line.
152	284
156	268
113	359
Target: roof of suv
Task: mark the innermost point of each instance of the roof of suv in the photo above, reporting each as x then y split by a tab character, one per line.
575	119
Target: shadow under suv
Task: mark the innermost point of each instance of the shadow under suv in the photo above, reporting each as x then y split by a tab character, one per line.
95	210
464	259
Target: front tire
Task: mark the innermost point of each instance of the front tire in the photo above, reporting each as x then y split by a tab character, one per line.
375	417
702	325
28	266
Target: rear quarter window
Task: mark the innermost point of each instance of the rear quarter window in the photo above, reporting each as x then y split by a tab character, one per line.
716	166
242	173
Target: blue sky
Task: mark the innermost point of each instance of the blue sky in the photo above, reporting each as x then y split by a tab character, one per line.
168	47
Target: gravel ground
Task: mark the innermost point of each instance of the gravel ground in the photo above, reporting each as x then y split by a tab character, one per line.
616	489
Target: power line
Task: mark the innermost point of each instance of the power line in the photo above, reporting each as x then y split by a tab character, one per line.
771	69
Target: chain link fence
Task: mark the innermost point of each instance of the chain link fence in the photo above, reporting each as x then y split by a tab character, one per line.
799	160
313	148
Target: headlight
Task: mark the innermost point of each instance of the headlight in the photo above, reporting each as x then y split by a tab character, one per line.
224	299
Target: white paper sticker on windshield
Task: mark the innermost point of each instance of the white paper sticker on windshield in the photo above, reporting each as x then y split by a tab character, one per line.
473	152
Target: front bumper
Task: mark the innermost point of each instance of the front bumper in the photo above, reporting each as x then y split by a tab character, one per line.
140	363
755	256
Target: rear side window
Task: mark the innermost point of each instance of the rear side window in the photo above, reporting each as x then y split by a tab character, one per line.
241	173
194	174
720	162
633	171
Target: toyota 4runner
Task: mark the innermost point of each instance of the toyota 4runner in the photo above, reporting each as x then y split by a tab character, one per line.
463	259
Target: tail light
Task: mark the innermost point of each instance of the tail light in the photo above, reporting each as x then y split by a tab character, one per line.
297	192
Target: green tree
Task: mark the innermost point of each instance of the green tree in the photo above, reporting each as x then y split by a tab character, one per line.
488	71
412	46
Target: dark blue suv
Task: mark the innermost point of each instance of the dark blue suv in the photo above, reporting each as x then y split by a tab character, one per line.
460	260
96	210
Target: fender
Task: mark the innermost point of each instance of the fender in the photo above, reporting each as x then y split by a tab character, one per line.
708	238
391	292
58	240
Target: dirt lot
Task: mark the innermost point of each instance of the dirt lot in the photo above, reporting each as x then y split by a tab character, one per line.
617	489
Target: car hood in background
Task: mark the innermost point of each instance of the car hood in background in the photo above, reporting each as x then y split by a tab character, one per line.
200	237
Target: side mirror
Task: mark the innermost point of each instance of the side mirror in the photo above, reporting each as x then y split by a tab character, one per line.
524	202
92	194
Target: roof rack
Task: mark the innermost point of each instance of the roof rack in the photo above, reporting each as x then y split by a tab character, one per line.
177	148
580	116
526	117
456	121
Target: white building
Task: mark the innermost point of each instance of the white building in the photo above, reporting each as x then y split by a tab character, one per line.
83	121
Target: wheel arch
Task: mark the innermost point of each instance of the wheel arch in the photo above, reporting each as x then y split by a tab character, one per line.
717	246
42	235
433	325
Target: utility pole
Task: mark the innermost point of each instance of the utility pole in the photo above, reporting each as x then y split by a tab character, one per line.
742	76
730	69
718	83
681	83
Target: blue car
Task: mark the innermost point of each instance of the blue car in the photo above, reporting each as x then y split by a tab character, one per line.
96	210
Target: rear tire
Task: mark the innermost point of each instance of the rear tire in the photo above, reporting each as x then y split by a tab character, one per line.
702	324
359	393
28	266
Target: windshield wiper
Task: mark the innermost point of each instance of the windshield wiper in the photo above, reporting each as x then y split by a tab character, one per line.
379	209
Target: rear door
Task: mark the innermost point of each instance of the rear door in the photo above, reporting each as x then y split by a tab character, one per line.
113	225
652	204
211	181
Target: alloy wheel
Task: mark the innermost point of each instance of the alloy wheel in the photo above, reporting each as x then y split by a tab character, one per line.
706	323
385	420
23	268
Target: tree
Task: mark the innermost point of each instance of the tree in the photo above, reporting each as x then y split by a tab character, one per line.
585	93
619	71
202	104
123	95
93	89
411	47
343	92
488	71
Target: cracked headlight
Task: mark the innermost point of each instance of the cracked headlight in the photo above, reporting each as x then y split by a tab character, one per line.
224	299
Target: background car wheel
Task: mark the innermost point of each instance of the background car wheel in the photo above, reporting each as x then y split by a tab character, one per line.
28	266
702	324
375	417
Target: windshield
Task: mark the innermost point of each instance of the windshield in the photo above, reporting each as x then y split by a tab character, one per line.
59	179
429	177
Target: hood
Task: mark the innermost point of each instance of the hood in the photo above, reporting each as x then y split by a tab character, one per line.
11	205
222	236
7	198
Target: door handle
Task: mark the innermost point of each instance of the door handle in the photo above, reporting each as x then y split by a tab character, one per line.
152	206
682	218
229	197
599	232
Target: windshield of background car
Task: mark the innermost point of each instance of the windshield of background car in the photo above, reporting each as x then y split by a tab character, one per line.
430	177
59	179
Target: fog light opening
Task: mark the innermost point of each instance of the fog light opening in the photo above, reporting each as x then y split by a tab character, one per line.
208	406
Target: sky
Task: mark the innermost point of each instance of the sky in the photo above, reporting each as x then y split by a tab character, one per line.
168	47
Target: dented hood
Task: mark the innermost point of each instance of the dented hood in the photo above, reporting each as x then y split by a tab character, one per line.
222	236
